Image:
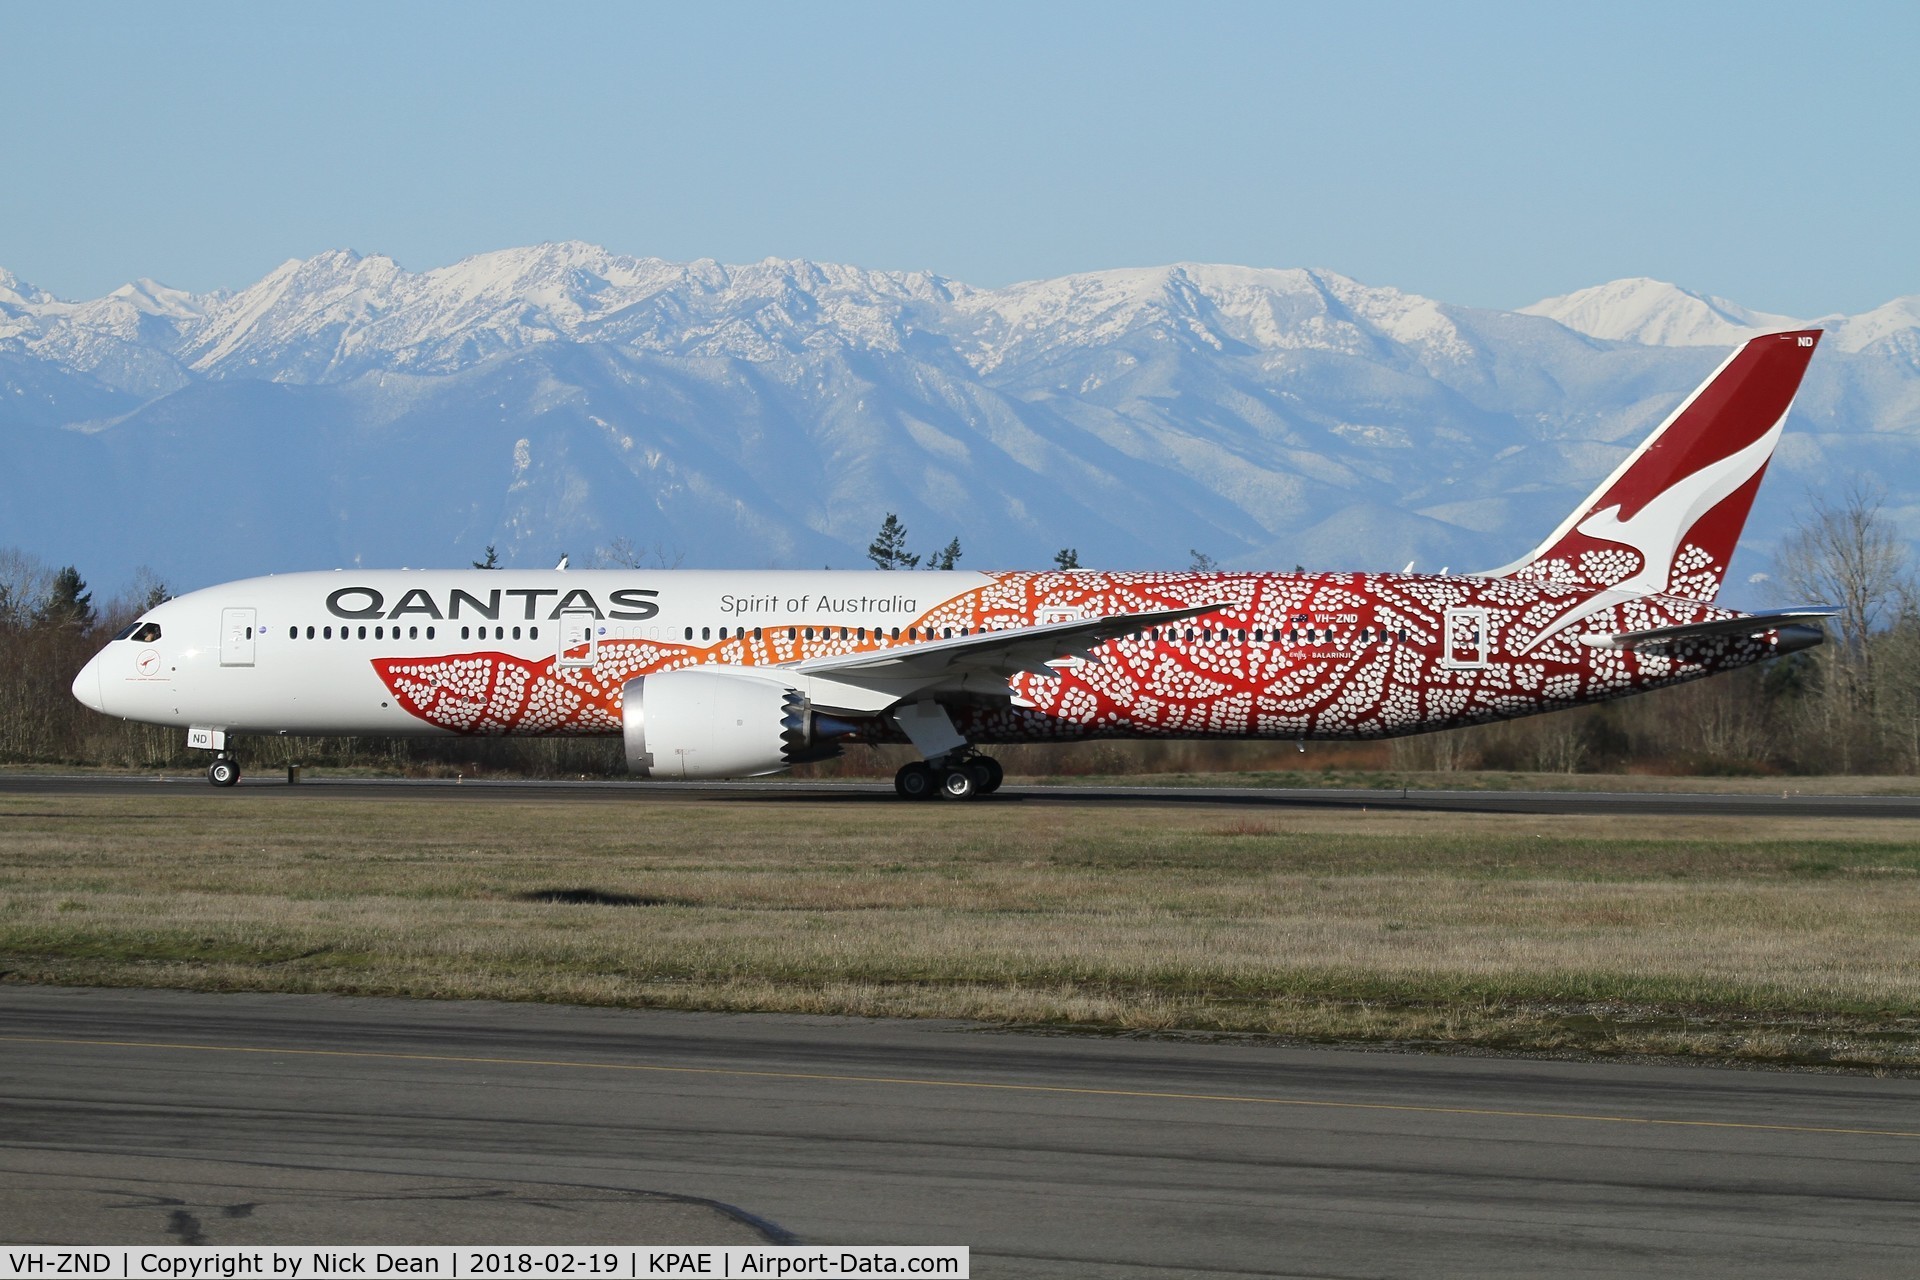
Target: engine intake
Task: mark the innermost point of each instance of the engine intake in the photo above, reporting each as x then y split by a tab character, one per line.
705	722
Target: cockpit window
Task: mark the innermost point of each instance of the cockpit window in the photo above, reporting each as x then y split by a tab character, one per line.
125	631
147	633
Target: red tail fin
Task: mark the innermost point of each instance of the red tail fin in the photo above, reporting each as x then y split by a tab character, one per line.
1666	522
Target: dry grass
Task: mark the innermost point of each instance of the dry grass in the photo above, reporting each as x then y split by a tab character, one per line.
1772	939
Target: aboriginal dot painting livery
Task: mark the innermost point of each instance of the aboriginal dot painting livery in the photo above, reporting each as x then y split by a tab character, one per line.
721	674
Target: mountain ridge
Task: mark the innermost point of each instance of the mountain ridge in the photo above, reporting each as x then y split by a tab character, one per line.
561	396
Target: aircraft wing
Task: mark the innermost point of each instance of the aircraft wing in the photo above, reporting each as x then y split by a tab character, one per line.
998	653
1751	624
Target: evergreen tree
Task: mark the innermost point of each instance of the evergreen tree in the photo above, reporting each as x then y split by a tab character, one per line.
148	591
946	557
1066	558
1202	562
69	604
888	549
491	562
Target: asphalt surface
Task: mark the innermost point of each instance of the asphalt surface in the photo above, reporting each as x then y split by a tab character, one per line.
133	1116
1789	804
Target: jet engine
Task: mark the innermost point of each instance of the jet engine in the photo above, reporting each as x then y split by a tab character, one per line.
732	722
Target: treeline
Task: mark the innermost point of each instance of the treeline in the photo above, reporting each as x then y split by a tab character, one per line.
50	625
1850	706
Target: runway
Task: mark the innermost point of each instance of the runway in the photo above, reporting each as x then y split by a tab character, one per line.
136	1116
1789	804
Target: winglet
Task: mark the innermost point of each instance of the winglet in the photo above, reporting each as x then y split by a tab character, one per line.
1667	519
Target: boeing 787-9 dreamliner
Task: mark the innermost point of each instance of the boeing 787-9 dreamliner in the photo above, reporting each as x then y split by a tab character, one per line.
739	674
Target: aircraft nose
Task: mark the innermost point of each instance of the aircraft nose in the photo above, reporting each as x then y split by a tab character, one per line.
86	685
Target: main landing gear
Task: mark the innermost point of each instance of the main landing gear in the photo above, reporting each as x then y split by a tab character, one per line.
961	779
223	772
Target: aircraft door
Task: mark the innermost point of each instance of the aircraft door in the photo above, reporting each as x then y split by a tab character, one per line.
1466	638
579	638
236	637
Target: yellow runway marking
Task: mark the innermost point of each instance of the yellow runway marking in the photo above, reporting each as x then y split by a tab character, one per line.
936	1083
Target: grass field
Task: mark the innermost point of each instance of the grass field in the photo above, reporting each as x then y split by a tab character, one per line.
1779	940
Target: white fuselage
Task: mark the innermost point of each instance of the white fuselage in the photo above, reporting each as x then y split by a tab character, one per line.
552	653
296	653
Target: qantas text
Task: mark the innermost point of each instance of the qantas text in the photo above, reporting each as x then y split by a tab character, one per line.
629	604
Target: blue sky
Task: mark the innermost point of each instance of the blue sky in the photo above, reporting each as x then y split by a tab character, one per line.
1484	154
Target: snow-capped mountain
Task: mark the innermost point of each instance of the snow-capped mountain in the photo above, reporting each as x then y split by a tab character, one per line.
1655	313
344	410
1658	314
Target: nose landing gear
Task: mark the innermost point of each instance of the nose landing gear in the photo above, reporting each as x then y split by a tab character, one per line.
224	771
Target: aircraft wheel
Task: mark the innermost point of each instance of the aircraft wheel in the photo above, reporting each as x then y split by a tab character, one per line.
958	784
223	772
992	774
914	781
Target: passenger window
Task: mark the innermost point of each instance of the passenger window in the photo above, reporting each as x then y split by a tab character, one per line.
326	633
809	633
756	633
379	633
516	633
413	633
789	633
706	633
429	633
363	633
309	633
293	633
499	633
466	633
533	633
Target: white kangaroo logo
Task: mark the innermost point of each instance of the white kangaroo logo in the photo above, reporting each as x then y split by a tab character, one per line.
1656	530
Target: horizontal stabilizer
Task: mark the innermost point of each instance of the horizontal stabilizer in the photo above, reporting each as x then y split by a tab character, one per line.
1751	624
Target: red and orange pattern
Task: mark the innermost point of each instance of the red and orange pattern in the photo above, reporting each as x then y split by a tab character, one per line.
1329	655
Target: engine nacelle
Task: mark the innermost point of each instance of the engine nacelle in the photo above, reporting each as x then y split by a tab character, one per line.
729	722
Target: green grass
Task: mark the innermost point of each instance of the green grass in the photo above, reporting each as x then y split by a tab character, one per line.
1783	940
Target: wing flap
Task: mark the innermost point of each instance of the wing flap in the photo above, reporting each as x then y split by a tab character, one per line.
1002	653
